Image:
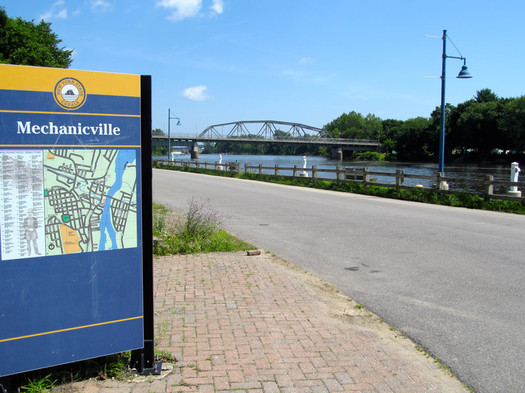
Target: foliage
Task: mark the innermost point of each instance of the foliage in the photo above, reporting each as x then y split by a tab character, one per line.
198	230
26	43
39	385
201	220
484	128
355	126
114	368
369	156
512	123
415	140
41	381
158	150
164	356
220	241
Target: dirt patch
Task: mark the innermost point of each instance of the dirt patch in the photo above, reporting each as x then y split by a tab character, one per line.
345	309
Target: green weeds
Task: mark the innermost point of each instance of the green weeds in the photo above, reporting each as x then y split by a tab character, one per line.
165	356
38	385
198	230
42	381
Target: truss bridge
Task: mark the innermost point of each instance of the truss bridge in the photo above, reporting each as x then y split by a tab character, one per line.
268	131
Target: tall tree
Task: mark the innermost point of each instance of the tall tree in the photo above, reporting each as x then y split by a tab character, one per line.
415	140
486	95
478	123
512	124
26	43
157	131
355	126
388	137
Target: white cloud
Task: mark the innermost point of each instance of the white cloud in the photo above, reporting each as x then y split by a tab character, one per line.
101	5
62	14
46	16
57	11
181	9
218	6
305	60
196	93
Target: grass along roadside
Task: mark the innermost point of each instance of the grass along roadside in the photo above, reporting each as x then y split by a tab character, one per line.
198	230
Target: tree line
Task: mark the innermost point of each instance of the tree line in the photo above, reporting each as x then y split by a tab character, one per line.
485	127
26	43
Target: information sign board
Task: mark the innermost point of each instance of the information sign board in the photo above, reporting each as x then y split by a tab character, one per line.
71	249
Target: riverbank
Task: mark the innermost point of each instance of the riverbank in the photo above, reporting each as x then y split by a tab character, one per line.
466	177
462	199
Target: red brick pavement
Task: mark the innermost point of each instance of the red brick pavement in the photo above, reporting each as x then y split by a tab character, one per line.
255	324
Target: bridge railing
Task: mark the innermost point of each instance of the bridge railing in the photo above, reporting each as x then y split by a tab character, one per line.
254	139
488	187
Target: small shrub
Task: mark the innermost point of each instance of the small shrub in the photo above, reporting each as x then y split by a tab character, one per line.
38	385
369	156
198	230
201	220
159	223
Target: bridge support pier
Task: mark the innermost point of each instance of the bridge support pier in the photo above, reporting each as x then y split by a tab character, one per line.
194	151
337	153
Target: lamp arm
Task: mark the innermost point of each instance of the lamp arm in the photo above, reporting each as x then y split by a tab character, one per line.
456	57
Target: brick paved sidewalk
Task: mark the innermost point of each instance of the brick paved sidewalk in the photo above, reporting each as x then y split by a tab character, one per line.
254	324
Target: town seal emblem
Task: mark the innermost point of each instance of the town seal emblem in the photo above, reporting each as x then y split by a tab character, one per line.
69	93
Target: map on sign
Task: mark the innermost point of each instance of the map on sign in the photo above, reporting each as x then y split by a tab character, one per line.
67	201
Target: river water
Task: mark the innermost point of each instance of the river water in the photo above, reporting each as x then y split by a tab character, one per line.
461	173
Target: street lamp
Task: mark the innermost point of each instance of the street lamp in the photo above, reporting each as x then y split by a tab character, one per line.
463	74
169	134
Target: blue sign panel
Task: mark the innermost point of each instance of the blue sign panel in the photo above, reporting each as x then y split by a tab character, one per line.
70	216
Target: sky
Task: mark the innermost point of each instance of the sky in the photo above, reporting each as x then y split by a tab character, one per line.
304	61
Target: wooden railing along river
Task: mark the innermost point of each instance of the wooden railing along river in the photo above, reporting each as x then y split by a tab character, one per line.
438	183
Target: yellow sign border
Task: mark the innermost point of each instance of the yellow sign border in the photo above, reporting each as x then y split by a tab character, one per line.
45	79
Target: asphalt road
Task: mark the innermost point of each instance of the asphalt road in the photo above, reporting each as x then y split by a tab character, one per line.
451	279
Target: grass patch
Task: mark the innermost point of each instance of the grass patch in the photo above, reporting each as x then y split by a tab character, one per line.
38	385
198	230
165	356
41	381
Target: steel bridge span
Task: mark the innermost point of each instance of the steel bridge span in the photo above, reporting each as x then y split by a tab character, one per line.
267	131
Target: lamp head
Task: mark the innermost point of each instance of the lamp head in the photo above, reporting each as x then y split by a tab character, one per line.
464	74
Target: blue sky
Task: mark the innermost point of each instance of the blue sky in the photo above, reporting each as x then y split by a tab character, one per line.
305	61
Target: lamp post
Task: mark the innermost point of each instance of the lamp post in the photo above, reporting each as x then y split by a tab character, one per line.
169	134
463	74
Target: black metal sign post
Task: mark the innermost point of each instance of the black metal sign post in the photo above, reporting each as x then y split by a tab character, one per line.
144	359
